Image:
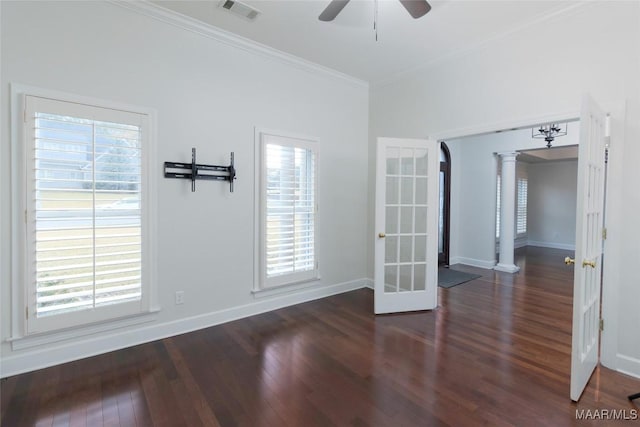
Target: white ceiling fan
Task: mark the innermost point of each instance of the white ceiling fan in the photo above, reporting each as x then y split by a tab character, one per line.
416	8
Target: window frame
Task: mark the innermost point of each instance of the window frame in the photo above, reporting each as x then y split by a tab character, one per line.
261	282
24	325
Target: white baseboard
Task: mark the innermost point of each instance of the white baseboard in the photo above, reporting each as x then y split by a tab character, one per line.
552	245
628	365
55	354
482	263
368	283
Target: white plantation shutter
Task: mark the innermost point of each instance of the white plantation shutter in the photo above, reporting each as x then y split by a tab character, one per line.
84	213
498	204
521	208
521	201
289	210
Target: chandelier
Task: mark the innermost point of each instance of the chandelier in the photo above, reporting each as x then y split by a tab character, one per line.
549	132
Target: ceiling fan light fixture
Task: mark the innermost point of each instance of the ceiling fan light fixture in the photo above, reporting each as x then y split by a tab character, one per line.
332	10
416	8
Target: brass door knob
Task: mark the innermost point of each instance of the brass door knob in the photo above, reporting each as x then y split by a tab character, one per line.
382	235
569	261
591	263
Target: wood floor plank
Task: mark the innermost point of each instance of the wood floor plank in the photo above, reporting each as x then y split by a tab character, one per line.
189	392
496	352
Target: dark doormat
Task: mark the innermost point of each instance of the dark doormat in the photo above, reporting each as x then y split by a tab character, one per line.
448	278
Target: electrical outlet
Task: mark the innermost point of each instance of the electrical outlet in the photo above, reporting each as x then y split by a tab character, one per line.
179	297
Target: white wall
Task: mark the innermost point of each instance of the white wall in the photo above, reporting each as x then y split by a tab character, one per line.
209	95
473	190
596	48
551	204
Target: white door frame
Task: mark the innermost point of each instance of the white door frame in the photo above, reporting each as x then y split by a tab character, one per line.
532	121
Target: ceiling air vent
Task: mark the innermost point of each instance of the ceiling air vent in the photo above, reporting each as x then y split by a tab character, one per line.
241	9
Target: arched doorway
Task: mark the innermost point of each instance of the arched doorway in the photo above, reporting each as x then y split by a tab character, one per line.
444	202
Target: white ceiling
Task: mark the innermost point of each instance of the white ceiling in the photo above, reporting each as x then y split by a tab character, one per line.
348	43
567	152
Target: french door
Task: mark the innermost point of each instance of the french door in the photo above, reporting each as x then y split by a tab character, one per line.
406	220
588	255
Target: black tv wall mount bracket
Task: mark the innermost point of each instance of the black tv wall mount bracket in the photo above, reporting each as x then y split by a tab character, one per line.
200	171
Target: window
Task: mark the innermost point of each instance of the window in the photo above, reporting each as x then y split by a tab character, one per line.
521	200
498	204
287	210
521	208
86	195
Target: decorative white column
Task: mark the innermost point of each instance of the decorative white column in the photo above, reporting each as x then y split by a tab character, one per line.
507	212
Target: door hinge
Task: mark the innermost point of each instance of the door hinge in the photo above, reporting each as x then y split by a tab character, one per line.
601	325
26	312
26	216
604	233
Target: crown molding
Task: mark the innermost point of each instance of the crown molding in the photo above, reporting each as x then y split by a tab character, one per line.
184	22
559	12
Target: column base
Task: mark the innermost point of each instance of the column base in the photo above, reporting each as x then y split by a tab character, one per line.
507	268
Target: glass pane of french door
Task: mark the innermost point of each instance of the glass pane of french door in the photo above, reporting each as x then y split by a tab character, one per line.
405	219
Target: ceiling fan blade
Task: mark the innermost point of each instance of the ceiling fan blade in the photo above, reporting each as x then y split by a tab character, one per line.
334	8
416	8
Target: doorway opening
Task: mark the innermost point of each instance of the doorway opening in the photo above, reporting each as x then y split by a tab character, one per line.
444	219
474	225
402	165
545	198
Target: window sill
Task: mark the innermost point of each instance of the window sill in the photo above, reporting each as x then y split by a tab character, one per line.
35	340
283	289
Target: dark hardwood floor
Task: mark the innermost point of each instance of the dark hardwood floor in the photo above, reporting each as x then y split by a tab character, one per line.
496	353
